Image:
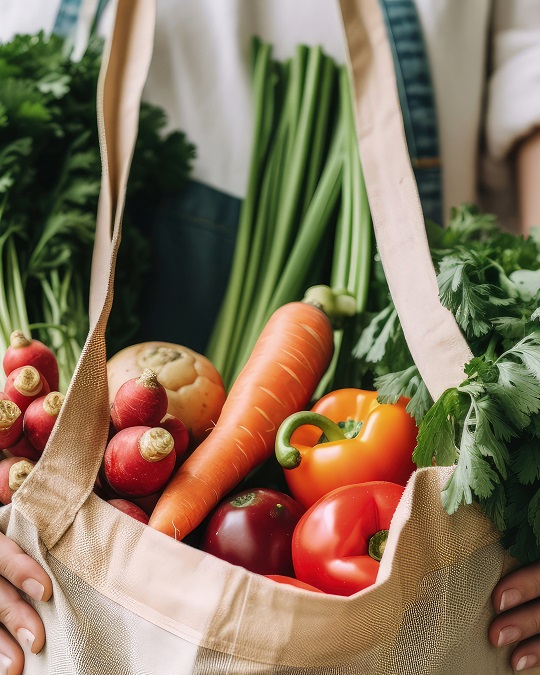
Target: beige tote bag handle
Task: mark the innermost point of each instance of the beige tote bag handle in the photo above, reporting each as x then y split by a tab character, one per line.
65	475
434	339
55	490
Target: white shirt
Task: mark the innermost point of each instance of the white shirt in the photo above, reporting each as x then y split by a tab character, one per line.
200	75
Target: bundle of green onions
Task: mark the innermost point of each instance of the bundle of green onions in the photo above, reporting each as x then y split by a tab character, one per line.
305	219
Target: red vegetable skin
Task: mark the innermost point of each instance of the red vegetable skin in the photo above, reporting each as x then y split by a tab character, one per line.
291	581
40	418
13	472
141	401
254	529
139	460
24	385
332	540
23	448
148	503
25	352
279	378
180	434
130	509
11	423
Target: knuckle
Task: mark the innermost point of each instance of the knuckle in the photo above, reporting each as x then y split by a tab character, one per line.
14	568
10	614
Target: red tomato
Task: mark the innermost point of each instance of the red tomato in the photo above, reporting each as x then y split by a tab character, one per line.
254	529
339	541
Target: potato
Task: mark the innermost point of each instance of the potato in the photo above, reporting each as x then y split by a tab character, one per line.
194	387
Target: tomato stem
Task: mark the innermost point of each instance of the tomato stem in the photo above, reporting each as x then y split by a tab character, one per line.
287	455
377	544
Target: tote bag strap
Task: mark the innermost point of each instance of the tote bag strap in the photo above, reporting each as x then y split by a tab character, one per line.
64	477
434	339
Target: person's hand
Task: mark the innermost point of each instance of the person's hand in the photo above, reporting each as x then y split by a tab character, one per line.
516	599
21	625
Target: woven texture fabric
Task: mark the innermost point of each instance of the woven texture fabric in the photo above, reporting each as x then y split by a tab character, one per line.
130	600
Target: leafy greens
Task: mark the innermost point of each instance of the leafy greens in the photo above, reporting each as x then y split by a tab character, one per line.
50	173
488	426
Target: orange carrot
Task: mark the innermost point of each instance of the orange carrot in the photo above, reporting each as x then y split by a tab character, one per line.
279	378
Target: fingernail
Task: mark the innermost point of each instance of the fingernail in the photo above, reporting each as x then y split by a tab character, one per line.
33	588
526	662
510	598
508	635
25	638
5	663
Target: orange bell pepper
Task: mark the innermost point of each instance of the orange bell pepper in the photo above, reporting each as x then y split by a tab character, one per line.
347	437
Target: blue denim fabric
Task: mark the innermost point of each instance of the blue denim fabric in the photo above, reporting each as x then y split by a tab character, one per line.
417	101
67	17
192	237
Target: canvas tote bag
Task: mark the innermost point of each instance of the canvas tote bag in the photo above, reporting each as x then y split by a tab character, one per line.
130	600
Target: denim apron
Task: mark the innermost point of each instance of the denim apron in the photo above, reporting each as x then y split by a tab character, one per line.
193	232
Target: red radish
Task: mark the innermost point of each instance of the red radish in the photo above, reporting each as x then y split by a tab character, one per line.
141	401
147	504
139	460
25	352
130	508
23	448
13	472
11	423
40	418
25	384
179	432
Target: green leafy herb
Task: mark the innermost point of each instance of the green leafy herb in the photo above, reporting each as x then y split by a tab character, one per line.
489	426
50	173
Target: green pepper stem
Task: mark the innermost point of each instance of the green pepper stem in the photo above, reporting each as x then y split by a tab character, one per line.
377	544
288	456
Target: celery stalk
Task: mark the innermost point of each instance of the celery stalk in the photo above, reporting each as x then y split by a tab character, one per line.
291	283
290	195
321	134
220	340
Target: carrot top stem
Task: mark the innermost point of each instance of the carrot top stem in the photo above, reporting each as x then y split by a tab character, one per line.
337	304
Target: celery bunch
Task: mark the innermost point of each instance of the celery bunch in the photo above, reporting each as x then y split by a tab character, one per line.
305	218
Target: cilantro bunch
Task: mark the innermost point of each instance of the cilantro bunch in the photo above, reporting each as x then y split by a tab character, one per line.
50	173
488	426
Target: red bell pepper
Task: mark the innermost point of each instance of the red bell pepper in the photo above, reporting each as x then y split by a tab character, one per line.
338	543
364	440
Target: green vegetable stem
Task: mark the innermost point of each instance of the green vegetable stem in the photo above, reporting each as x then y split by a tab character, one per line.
305	219
50	173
